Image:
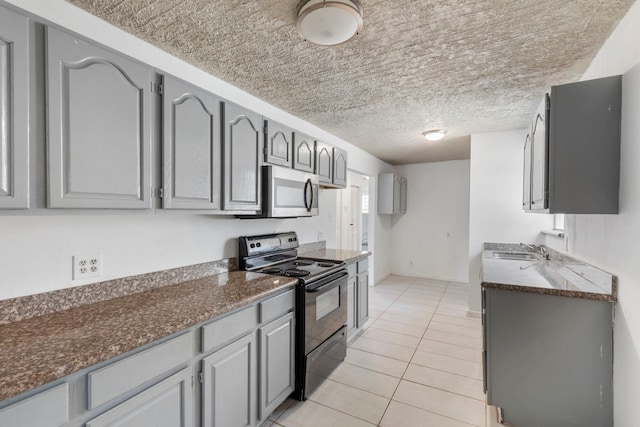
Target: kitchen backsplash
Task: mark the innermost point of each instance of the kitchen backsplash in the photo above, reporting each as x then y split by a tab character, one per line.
21	308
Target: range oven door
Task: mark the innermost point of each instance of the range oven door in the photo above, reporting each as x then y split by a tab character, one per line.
289	193
325	309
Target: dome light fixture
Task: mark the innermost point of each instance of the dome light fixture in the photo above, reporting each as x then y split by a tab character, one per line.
329	23
435	134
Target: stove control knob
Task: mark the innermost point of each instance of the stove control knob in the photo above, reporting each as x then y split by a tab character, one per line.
258	244
253	245
290	240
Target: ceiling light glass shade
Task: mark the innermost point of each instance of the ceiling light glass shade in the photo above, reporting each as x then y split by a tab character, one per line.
328	23
434	135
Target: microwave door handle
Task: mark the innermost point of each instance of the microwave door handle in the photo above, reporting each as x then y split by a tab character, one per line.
308	189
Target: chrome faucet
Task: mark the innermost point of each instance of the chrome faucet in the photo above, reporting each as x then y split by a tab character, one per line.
537	248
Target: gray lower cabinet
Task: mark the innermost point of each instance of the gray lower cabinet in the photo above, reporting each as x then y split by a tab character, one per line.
352	306
14	110
278	144
548	360
303	152
229	385
166	404
49	408
357	297
276	342
242	158
191	147
99	126
362	292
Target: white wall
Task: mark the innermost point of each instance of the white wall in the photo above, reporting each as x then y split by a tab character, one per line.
432	238
495	207
611	241
36	250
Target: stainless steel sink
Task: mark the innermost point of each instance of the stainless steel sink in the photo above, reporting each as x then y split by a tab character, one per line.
518	256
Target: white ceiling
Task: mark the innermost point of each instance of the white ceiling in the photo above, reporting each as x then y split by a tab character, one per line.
469	66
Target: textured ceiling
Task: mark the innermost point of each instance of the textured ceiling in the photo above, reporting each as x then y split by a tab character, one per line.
469	66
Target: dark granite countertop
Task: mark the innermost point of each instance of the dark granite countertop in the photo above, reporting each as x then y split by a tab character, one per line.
41	349
560	275
345	255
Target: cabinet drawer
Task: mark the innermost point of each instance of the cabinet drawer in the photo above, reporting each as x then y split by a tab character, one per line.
226	329
277	306
352	269
47	408
363	265
111	381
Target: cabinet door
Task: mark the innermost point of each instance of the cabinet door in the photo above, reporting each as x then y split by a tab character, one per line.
242	152
539	173
191	147
14	110
229	385
276	363
352	304
403	195
363	298
526	173
303	152
339	167
166	404
324	163
278	144
99	133
397	191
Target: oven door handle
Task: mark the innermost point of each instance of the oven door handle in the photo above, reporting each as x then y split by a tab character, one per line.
328	283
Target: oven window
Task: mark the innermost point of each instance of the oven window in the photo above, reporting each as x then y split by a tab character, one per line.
327	302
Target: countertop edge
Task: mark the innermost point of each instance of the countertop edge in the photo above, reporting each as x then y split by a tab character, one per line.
549	291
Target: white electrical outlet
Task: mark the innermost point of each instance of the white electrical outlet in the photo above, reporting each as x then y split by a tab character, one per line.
86	266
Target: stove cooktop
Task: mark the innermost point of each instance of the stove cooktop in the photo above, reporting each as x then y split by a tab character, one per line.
306	268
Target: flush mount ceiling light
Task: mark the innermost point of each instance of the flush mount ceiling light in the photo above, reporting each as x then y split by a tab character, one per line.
328	23
434	135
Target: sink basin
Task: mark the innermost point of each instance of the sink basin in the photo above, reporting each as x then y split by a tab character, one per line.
518	256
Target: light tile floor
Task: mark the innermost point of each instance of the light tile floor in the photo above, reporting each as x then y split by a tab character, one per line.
417	363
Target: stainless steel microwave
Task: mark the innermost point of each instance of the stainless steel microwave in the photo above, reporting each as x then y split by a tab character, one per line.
288	193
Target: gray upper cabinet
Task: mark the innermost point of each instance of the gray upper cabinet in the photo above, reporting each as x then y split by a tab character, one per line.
539	157
575	157
14	110
191	147
324	162
526	179
403	195
339	167
242	152
392	193
303	152
99	126
278	145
